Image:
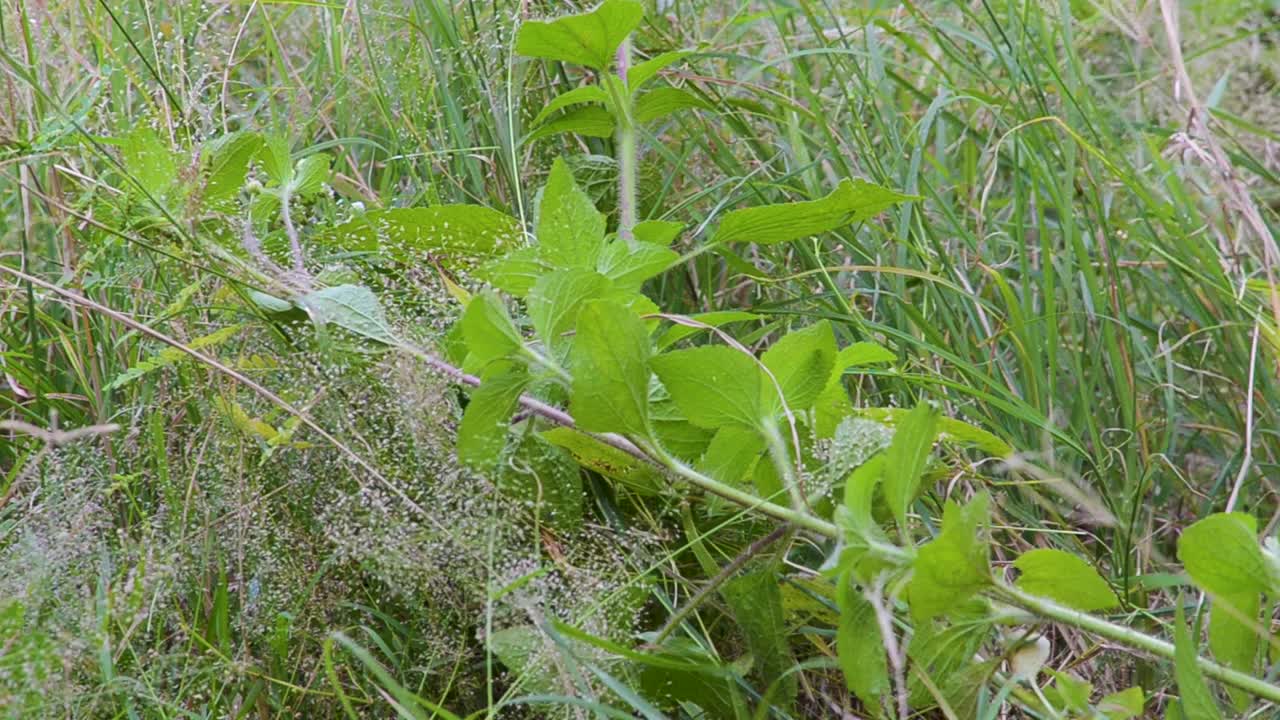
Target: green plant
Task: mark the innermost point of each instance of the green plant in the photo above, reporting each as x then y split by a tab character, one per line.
776	396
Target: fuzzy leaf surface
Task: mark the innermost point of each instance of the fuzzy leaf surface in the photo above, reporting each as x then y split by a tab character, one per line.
610	370
589	39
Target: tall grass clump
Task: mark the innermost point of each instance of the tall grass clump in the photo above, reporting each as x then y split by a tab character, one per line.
646	359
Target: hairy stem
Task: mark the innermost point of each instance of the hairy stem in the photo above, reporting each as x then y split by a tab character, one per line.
295	244
627	152
1129	637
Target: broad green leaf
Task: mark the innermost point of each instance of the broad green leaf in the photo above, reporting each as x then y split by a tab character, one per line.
963	688
831	408
954	565
756	603
768	482
861	533
681	671
310	175
228	157
1123	705
1065	578
630	267
454	234
489	331
1197	701
547	476
610	370
606	460
276	161
263	206
514	273
832	405
859	493
679	688
681	437
271	303
1234	631
906	458
715	319
570	229
657	232
801	362
662	102
1069	692
351	307
587	121
860	646
524	652
957	431
1222	555
863	353
556	298
482	434
852	201
149	161
732	454
589	39
717	385
952	430
576	96
643	72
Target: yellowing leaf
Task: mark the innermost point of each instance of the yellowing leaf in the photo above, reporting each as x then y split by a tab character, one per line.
458	234
852	201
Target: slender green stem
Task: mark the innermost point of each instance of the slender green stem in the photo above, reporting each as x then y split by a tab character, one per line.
627	149
1132	638
786	468
743	498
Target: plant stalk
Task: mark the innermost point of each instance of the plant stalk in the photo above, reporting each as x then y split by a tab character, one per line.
1136	639
626	150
